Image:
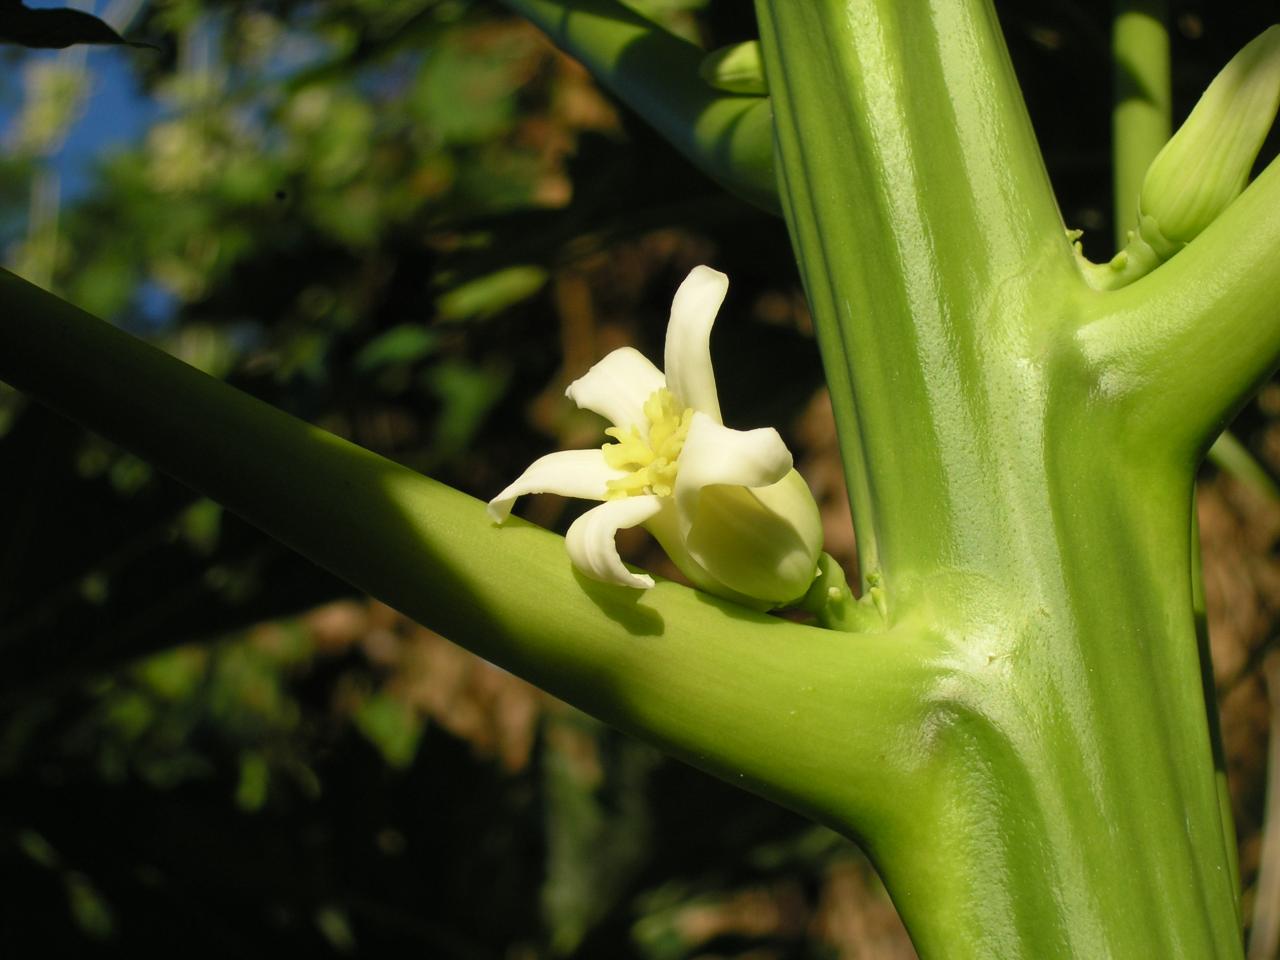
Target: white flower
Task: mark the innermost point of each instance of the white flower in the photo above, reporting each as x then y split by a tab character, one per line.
725	504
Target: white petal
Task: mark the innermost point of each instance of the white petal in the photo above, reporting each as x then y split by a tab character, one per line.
592	546
688	351
617	387
762	542
665	527
570	473
791	498
715	454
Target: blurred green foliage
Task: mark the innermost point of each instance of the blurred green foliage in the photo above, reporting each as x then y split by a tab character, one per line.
411	222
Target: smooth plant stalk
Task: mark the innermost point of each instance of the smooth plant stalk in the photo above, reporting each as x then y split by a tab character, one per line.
1141	124
1229	454
1200	616
729	137
1067	800
917	231
1264	936
1141	113
1186	345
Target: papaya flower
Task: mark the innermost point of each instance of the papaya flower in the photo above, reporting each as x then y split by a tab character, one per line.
726	505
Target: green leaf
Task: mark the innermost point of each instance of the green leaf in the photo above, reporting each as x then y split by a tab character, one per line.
40	850
392	726
91	912
492	293
466	394
403	344
467	96
598	826
254	782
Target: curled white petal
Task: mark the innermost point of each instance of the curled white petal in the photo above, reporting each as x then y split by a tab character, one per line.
688	349
592	545
570	473
617	387
715	454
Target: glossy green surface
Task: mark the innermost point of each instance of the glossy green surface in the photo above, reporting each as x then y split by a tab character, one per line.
1023	457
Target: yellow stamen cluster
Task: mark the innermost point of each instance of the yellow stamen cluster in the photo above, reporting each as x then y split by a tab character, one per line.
651	460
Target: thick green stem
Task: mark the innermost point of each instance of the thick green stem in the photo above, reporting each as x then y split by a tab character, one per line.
1141	124
1077	811
1210	688
921	234
1065	768
1187	344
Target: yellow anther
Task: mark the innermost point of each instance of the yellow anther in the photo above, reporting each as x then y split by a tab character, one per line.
651	459
631	452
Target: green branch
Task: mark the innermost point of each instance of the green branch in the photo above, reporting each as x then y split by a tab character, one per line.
1232	456
1141	123
1187	344
728	137
797	713
1142	102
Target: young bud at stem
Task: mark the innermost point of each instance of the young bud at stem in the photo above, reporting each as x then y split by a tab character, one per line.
736	69
1207	162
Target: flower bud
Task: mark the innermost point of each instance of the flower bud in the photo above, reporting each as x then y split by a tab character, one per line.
735	69
1207	162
